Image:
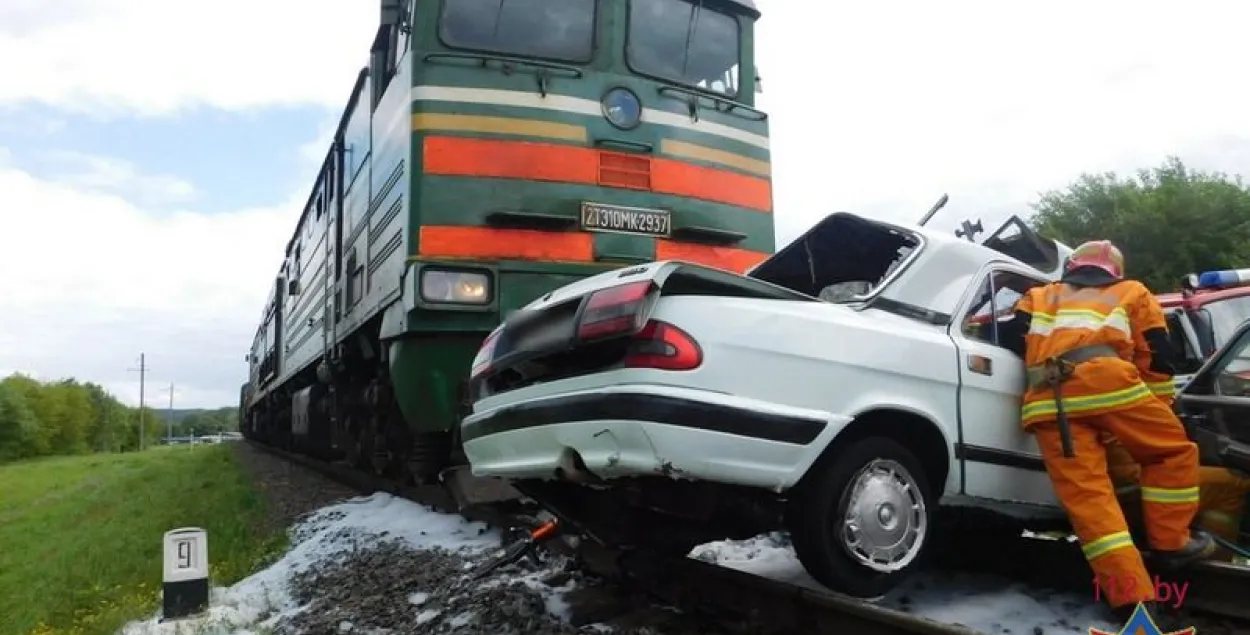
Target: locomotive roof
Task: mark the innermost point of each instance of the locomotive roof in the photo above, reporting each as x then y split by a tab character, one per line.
749	5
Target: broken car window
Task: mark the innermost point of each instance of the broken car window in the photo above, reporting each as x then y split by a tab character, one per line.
994	304
841	259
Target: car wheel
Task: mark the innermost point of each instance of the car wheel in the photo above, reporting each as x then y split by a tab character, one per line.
862	522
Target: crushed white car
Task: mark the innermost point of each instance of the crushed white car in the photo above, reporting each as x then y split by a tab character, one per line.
671	404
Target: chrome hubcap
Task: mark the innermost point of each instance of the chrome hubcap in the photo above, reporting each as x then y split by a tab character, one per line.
885	521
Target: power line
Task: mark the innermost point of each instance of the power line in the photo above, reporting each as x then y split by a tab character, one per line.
143	370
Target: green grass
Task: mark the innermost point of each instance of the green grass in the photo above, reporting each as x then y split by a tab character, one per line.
80	537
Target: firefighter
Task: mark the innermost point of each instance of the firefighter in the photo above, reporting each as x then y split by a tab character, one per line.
1080	339
1162	384
1222	493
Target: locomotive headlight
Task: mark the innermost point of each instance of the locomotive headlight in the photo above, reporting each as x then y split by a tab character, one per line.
622	109
457	287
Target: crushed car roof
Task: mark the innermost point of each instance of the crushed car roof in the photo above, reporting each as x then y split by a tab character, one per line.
934	277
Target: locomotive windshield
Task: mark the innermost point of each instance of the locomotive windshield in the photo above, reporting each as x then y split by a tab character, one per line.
684	42
553	29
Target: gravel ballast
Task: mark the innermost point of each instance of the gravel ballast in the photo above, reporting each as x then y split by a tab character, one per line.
290	491
384	586
380	584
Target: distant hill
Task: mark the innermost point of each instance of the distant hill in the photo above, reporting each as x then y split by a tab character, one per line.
200	420
178	414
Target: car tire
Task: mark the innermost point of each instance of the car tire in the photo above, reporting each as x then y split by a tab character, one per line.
881	479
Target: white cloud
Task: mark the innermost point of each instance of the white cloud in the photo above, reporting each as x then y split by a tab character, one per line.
107	57
14	122
108	174
91	281
316	149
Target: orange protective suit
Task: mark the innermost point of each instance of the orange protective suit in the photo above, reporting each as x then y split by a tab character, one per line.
1161	385
1107	395
1222	493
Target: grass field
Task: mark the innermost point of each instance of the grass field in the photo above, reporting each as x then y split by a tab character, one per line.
80	537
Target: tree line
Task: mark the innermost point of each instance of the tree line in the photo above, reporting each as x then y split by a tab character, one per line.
39	418
203	422
1169	221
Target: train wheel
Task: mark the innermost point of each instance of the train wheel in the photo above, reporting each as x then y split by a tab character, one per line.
861	525
381	463
381	459
359	443
429	455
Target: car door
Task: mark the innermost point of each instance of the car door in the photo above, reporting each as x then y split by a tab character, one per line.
1186	344
998	459
1215	404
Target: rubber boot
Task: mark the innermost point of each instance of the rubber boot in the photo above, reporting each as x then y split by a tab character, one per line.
1200	547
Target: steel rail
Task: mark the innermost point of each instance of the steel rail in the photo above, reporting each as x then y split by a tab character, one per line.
732	599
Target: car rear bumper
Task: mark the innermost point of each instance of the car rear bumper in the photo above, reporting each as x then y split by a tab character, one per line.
647	430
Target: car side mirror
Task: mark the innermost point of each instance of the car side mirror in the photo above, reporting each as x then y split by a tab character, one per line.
292	287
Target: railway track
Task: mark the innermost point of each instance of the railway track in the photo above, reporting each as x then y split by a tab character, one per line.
730	598
755	604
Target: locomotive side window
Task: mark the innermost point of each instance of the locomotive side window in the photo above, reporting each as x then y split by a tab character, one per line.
553	29
685	43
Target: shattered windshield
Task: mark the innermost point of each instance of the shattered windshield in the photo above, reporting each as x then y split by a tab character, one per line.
842	259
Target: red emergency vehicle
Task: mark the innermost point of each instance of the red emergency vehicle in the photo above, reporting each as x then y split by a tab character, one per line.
1205	313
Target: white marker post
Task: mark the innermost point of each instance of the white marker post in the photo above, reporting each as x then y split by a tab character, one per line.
186	573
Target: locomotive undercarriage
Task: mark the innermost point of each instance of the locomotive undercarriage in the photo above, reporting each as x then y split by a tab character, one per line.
344	409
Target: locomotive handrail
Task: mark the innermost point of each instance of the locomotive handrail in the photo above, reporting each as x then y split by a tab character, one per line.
693	96
503	59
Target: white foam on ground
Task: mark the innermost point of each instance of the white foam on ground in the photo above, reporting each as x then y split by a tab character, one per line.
263	598
984	603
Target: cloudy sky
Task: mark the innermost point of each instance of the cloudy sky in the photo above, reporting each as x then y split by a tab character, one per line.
153	153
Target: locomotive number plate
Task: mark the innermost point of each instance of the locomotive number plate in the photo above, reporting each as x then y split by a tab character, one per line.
598	217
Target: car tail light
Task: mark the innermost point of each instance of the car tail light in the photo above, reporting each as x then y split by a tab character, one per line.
485	354
618	310
663	346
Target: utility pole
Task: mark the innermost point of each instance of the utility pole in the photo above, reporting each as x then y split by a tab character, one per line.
143	370
169	421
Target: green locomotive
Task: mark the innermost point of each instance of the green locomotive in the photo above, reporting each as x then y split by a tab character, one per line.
494	150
